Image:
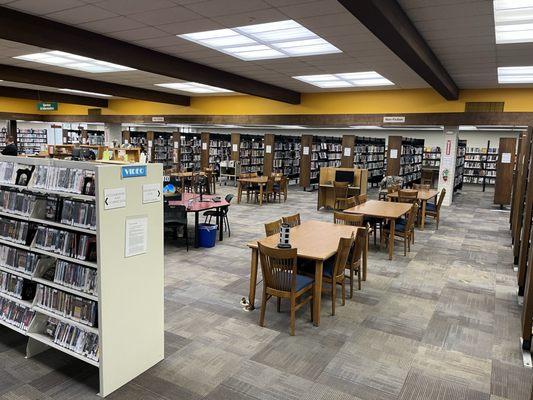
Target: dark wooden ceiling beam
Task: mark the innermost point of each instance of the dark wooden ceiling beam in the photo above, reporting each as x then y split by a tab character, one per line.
390	24
25	28
36	77
32	94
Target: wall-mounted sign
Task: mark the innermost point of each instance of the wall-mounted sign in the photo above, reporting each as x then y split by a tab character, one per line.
47	106
133	171
114	198
158	119
393	120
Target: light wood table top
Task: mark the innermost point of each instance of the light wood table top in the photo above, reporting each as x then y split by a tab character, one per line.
423	194
186	174
258	179
315	240
381	209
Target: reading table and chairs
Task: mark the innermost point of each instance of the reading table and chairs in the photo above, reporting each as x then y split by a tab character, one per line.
262	187
423	196
338	184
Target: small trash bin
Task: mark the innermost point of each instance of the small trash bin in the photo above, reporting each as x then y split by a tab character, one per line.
207	235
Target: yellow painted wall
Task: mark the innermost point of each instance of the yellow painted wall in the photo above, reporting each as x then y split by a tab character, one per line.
368	102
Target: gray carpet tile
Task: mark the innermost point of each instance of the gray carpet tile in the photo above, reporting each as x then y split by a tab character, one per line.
442	323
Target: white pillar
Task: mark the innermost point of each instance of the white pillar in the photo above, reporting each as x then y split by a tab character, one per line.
448	157
113	132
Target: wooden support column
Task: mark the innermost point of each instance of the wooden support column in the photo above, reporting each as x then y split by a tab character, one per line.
204	151
504	171
348	147
126	137
393	163
269	154
235	141
305	161
84	138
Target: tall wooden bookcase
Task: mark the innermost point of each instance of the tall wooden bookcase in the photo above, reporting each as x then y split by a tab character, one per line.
130	288
504	171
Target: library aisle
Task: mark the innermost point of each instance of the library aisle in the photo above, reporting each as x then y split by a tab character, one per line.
443	318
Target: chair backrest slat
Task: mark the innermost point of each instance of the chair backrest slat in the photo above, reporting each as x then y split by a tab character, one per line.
441	199
347	219
411	218
292	220
279	267
272	228
343	251
340	189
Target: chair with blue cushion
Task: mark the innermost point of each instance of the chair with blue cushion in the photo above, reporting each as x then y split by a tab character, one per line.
281	279
403	230
433	210
334	270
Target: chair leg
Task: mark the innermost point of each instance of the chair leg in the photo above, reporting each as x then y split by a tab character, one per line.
311	302
343	291
409	245
263	307
375	233
227	224
279	304
333	296
438	217
405	238
293	314
351	281
359	277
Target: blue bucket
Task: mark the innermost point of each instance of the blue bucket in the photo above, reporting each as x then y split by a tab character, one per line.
207	235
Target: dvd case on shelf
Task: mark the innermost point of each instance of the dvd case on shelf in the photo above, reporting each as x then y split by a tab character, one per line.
15	314
18	260
76	276
73	338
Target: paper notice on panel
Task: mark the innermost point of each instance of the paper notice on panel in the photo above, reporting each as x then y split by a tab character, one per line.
114	198
136	236
268	149
151	193
150	143
393	153
306	151
347	152
235	147
204	145
506	158
176	145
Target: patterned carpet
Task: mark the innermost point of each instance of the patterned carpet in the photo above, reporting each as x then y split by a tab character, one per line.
442	323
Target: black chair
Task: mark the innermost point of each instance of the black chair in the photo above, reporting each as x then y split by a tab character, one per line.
222	214
175	217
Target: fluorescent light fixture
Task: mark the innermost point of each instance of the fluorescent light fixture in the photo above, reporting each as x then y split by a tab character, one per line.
352	79
73	61
193	87
84	92
280	39
515	74
513	21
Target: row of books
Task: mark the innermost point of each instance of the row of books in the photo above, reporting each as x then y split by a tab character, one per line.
369	149
78	213
484	150
479	180
76	277
8	172
67	305
70	244
17	259
15	202
71	180
368	157
16	314
14	231
432	149
252	153
73	338
252	161
411	159
11	284
409	149
331	147
252	145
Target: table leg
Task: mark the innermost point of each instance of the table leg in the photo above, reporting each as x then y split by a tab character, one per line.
196	218
260	195
317	296
365	257
253	279
391	237
423	221
220	221
239	192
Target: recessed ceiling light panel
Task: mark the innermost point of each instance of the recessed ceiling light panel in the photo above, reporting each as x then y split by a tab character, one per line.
193	87
515	74
73	61
513	21
264	41
352	79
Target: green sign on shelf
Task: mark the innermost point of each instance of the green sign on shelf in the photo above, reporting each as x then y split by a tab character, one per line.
47	106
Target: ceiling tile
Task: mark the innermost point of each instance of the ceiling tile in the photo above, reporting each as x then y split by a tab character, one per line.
40	7
165	16
110	25
81	14
126	7
216	8
147	32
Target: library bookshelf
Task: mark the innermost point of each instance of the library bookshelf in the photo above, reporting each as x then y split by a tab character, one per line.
122	333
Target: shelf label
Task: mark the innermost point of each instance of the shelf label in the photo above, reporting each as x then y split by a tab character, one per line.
114	198
506	158
393	153
47	106
151	193
131	171
393	120
235	147
204	145
306	150
158	119
347	152
136	236
268	149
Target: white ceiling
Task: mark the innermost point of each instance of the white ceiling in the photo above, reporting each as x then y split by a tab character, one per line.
461	33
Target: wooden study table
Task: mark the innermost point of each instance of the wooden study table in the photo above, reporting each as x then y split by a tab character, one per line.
184	175
384	210
192	203
260	181
423	195
316	241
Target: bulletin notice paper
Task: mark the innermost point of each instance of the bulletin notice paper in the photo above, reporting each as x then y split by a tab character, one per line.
136	236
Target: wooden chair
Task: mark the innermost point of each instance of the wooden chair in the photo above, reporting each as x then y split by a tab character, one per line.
268	191
280	279
355	261
427	177
362	198
407	196
433	210
403	230
347	219
350	202
420	186
390	190
292	220
272	228
340	191
281	188
334	269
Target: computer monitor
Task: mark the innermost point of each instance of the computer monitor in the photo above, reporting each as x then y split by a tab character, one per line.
344	176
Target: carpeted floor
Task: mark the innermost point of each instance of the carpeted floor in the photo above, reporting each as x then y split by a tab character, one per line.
442	323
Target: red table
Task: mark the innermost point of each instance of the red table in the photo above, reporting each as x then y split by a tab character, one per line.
193	204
